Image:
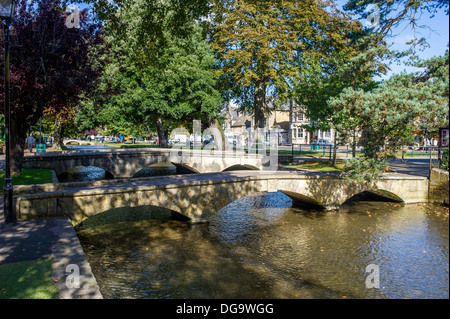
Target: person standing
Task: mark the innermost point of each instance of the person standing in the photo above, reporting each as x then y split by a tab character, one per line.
30	143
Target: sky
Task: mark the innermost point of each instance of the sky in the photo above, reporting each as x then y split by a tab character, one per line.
436	32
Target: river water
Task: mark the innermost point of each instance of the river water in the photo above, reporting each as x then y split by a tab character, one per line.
261	247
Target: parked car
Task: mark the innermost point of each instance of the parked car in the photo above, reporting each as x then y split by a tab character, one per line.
325	143
208	141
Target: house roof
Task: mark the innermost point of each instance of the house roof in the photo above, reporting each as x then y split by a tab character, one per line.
241	121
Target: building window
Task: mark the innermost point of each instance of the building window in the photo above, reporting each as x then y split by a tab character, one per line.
300	116
299	133
325	134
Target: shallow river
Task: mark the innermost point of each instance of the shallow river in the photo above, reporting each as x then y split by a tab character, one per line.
260	247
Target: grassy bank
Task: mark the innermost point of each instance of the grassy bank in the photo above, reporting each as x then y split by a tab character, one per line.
27	280
321	166
28	177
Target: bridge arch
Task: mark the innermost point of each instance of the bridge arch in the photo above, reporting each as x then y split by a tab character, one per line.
76	142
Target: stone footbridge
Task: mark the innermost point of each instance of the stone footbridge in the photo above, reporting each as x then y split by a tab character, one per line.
125	163
198	196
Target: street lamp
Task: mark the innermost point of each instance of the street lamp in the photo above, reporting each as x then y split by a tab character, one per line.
7	8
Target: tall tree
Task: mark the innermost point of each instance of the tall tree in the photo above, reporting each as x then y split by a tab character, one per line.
48	66
136	88
353	67
263	45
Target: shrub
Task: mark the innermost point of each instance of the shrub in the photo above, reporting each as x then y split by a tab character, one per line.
444	161
364	169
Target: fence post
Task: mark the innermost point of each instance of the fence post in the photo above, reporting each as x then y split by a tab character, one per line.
430	164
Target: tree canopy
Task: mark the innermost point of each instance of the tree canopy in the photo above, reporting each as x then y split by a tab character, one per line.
390	113
178	87
48	63
263	45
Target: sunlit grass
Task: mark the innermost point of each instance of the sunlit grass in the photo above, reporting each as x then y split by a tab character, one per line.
27	280
322	166
28	177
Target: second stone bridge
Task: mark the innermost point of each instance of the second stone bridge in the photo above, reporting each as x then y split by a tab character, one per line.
126	163
198	196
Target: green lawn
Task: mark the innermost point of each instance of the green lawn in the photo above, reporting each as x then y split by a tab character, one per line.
28	177
27	280
321	166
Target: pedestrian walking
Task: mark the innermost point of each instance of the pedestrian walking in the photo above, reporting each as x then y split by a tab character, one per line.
30	143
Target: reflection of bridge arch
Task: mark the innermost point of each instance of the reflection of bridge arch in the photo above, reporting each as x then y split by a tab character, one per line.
132	214
186	169
381	195
240	167
164	168
83	172
198	196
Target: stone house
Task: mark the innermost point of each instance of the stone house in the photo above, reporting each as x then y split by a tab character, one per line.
286	120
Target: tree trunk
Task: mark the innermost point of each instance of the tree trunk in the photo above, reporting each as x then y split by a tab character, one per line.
18	131
218	134
161	135
259	104
291	109
335	146
58	134
354	144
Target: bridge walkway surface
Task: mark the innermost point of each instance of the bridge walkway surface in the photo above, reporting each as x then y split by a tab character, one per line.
55	238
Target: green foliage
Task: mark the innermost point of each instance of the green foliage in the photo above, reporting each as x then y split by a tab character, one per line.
135	89
151	20
264	45
364	169
388	114
444	163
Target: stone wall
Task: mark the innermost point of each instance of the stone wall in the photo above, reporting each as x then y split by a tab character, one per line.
438	191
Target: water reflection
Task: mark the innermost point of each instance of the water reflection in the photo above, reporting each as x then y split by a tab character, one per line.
159	169
82	174
259	247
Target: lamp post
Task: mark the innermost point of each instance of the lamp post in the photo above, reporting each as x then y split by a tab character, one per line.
7	8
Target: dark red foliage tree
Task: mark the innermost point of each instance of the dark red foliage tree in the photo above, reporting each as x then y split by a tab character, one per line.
49	66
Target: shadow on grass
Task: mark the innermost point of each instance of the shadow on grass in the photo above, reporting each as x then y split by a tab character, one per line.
27	280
